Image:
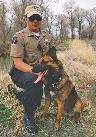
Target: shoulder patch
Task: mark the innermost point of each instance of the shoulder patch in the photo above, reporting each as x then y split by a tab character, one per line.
14	40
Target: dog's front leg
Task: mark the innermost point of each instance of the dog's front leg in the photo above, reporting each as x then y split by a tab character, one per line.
46	107
59	114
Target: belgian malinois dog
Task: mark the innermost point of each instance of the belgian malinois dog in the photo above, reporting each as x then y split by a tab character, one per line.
59	88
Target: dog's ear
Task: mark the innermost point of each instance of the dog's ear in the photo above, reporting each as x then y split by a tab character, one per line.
52	52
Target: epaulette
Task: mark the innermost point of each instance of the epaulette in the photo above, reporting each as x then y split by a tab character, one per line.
19	32
44	31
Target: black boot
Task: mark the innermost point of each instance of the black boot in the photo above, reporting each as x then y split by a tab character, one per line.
29	123
12	89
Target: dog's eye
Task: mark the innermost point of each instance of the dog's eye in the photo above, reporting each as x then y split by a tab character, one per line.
43	62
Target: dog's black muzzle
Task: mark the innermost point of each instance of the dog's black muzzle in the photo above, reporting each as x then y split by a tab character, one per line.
50	71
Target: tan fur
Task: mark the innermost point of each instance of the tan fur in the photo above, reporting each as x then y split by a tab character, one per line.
65	97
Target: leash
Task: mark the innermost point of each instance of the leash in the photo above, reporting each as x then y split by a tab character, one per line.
41	77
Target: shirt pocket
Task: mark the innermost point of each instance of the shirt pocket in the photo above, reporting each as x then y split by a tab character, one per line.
33	57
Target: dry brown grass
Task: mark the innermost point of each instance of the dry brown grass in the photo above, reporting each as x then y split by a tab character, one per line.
79	62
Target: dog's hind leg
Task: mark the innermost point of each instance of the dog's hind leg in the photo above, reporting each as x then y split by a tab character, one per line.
78	110
46	107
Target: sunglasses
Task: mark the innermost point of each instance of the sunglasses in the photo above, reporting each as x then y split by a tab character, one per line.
35	17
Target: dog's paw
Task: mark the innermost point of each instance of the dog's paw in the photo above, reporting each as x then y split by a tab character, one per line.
57	125
41	120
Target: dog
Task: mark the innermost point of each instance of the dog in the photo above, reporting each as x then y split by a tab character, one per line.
59	88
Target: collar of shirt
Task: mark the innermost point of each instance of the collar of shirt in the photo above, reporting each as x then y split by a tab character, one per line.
42	33
37	34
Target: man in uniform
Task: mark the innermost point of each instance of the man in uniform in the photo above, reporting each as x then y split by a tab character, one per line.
28	46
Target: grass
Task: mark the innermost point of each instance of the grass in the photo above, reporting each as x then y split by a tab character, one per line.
79	61
5	64
5	114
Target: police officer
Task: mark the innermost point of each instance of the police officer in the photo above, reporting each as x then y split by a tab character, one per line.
28	46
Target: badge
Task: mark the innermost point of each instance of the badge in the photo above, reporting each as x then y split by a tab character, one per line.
14	40
46	42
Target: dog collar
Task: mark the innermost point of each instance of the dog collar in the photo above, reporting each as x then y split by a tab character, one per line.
55	86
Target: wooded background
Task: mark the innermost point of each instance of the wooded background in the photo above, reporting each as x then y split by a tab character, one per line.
74	22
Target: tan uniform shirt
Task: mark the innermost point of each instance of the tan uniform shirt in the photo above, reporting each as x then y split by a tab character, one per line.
25	45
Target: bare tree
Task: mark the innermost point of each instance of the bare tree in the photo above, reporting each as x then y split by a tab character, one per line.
79	16
94	11
62	22
18	14
5	28
69	8
49	20
90	16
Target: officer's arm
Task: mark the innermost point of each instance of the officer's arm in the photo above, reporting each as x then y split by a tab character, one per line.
20	65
